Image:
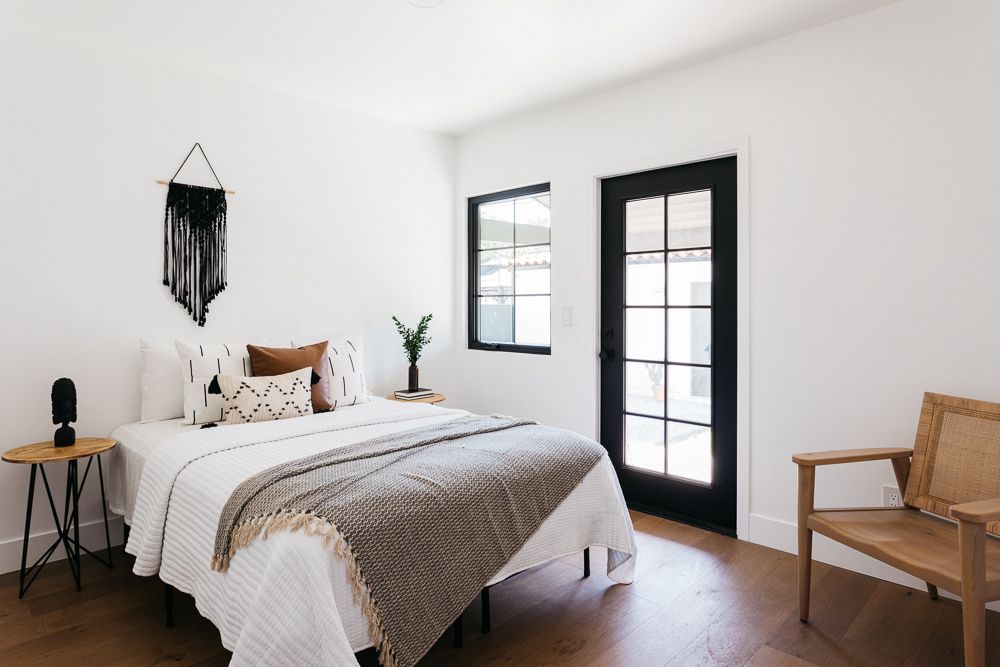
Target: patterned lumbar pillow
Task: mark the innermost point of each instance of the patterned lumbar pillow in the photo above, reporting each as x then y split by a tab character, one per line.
201	363
347	372
266	398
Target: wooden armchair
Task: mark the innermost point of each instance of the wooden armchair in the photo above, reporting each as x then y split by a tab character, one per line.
955	473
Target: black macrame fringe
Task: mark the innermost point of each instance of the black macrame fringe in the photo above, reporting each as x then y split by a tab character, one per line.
194	246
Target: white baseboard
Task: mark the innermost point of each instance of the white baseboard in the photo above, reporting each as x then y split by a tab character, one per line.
91	536
783	535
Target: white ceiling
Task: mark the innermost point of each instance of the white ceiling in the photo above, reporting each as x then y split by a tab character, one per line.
451	68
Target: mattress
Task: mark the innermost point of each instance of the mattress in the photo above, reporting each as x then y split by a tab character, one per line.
136	442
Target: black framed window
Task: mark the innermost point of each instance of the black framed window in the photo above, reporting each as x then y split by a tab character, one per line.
510	266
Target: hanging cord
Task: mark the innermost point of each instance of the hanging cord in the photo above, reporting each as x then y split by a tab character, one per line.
207	161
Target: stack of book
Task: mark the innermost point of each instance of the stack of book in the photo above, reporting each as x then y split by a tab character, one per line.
406	395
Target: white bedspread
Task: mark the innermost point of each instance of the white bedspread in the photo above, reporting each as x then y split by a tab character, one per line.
286	600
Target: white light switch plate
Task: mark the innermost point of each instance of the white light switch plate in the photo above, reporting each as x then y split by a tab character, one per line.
567	316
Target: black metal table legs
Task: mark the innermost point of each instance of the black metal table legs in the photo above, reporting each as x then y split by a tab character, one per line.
70	521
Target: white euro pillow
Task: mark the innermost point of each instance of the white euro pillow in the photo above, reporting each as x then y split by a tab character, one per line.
160	382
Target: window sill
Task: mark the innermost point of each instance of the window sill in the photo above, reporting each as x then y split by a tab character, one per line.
508	347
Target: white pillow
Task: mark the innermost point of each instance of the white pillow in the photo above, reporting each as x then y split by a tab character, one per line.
267	398
347	371
160	381
201	363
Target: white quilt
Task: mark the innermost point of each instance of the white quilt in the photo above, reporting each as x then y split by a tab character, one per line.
286	600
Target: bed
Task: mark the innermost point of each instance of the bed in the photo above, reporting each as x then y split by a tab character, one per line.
286	599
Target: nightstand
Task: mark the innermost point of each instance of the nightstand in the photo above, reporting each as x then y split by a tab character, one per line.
433	398
39	454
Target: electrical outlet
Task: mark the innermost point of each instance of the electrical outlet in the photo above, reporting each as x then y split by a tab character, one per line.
891	497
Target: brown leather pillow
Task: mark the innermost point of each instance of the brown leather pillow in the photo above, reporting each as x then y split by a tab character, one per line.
281	360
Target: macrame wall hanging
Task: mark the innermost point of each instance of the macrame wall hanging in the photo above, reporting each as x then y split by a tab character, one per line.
194	242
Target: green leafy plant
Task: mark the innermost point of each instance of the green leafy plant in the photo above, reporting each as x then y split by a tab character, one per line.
414	340
655	373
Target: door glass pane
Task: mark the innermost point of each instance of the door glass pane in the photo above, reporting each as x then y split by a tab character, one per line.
644	279
496	318
496	224
533	266
531	215
689	278
644	391
689	219
496	274
644	333
689	392
531	320
689	451
644	224
644	443
689	335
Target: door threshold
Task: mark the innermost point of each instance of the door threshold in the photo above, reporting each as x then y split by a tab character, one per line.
655	511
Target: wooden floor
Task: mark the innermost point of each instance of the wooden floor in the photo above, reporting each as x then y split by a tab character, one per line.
698	599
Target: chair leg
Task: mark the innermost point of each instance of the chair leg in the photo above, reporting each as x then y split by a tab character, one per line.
807	487
932	591
972	551
586	562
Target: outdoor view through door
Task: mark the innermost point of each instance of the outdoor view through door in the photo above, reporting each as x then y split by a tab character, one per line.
668	339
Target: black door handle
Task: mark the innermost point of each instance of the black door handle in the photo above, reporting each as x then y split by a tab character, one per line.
606	355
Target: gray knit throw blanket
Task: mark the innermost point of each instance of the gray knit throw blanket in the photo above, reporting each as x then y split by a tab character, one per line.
424	518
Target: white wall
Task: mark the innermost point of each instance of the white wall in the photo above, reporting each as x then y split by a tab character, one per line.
874	224
334	215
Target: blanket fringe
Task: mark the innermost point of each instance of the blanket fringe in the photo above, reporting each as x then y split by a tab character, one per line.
313	525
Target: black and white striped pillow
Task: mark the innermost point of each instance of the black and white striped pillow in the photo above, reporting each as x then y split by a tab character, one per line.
347	372
201	363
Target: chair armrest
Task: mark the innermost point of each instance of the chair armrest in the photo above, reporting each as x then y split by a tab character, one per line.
851	456
979	511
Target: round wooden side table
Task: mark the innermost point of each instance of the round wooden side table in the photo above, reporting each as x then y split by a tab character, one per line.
37	455
433	398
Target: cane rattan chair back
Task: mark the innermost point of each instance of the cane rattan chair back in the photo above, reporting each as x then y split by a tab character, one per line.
956	457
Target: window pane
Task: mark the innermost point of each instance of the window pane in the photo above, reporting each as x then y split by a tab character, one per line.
644	333
531	215
689	393
496	319
496	224
689	451
689	219
533	266
689	278
532	320
689	335
644	224
644	443
644	279
496	275
644	388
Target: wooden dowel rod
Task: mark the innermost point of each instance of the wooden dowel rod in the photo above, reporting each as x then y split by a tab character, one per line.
228	192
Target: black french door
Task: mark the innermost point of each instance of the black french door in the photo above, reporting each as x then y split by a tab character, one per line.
668	339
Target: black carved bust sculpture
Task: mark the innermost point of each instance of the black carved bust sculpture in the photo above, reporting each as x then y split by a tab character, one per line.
64	411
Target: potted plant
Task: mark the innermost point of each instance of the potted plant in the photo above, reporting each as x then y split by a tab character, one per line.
414	341
655	373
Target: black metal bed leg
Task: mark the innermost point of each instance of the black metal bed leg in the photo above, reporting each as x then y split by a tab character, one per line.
168	603
586	562
456	639
486	610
